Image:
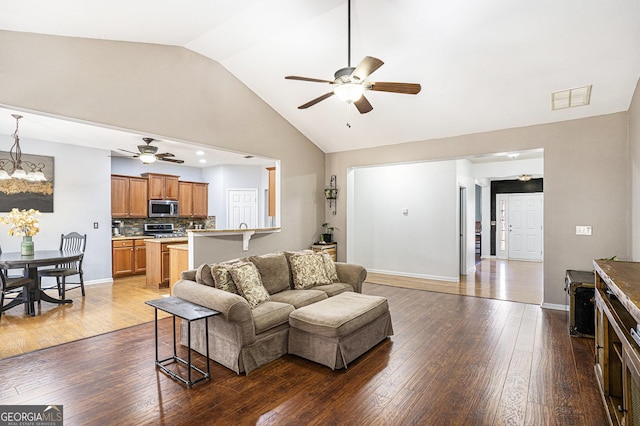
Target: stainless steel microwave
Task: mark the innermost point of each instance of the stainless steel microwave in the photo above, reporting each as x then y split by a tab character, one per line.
163	208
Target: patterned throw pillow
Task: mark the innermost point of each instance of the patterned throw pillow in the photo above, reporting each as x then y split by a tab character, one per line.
247	279
330	267
308	270
222	278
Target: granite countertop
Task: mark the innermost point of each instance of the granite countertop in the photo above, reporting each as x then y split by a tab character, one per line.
229	231
168	240
131	237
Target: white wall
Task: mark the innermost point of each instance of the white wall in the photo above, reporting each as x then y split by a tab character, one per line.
135	167
81	196
422	243
466	179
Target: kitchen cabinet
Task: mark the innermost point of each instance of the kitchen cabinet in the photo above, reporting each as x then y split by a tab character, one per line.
162	187
272	191
128	197
178	262
158	261
193	199
128	257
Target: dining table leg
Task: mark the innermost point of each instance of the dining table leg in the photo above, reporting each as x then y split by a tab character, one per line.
39	295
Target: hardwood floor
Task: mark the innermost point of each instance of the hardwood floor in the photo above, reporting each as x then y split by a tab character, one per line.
512	280
105	308
452	361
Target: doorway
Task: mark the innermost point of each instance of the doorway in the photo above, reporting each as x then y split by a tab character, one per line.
462	225
243	208
519	227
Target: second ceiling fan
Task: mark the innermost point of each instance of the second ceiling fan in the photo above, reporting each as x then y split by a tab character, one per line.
350	83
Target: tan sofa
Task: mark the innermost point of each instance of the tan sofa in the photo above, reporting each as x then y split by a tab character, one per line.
243	338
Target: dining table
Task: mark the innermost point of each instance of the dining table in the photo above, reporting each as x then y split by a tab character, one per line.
30	265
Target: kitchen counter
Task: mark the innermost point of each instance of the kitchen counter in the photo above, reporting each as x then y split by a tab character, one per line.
173	240
131	237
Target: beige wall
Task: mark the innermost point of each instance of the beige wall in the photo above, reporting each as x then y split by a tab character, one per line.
634	142
586	182
169	92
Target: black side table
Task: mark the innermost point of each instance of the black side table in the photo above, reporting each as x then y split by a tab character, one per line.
190	312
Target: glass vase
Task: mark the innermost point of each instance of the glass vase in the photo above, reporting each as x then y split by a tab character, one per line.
26	247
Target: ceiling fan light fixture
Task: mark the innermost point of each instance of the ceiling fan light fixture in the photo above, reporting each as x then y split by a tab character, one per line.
349	92
147	158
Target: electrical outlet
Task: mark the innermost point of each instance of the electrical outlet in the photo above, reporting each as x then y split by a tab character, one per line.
95	225
583	230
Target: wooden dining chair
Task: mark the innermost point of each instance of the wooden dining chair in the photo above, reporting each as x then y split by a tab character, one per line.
74	242
9	284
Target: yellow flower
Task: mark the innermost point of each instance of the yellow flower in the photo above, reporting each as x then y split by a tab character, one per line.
23	222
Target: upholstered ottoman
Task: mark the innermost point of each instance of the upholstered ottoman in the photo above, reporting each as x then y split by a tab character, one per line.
337	330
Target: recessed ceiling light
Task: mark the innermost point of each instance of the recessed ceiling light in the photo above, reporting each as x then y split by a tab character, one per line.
513	155
202	160
570	98
199	152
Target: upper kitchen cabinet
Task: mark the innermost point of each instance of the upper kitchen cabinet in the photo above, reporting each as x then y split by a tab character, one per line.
128	197
162	187
193	199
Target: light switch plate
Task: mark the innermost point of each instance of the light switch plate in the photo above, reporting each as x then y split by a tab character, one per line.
583	230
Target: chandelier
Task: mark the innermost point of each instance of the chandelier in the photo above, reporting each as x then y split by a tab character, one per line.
13	168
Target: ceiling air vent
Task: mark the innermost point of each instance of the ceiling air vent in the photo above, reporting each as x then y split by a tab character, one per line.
570	98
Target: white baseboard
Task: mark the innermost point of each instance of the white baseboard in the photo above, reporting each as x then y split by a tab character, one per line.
100	281
410	275
554	306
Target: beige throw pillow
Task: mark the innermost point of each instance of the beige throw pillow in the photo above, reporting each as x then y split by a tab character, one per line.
223	279
247	279
203	275
330	267
308	270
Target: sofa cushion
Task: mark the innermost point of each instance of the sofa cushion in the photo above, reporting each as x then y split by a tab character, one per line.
334	288
203	275
222	278
270	314
308	270
247	279
329	267
274	271
299	298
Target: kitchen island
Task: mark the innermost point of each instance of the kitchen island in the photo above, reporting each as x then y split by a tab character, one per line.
158	260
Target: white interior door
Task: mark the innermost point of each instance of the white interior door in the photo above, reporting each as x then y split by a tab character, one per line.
243	208
525	227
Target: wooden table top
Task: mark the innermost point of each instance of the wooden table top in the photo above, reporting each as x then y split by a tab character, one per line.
623	279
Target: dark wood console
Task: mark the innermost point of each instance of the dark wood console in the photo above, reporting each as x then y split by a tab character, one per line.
617	319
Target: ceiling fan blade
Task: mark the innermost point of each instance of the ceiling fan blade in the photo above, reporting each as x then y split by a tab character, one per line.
366	67
314	80
406	88
171	160
363	105
130	152
316	100
165	154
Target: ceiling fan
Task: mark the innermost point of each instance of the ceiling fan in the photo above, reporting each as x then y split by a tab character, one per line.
350	83
148	154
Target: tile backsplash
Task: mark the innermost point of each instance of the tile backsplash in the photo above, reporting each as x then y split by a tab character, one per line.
130	227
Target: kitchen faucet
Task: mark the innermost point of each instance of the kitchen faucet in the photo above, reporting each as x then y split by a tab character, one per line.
245	225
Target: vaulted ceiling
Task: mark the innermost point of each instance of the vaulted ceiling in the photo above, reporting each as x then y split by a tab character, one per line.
482	65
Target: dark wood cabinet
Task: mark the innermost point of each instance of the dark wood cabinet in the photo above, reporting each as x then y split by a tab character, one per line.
128	197
617	323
